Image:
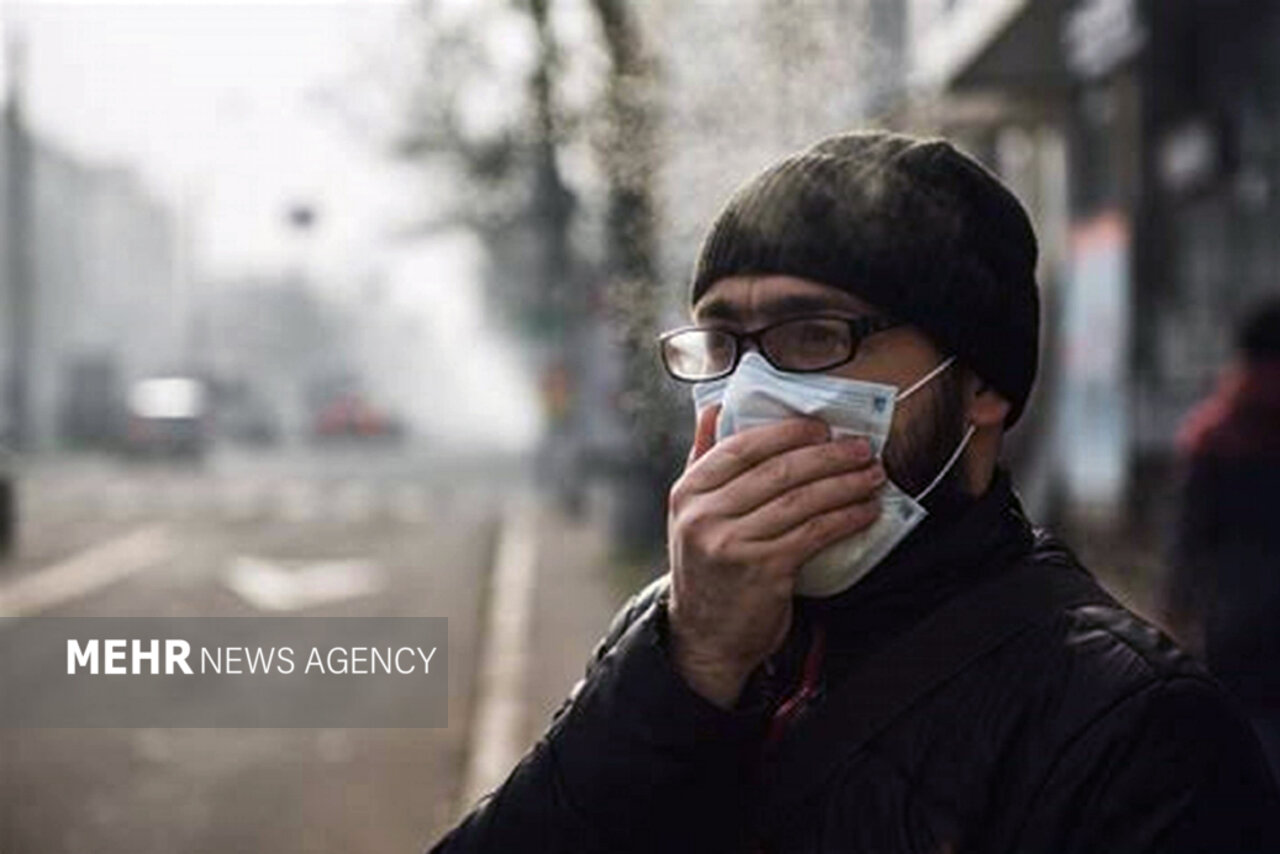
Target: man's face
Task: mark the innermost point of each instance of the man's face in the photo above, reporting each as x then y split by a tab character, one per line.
927	427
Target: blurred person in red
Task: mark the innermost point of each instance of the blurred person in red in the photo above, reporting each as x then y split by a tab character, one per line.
1222	597
862	643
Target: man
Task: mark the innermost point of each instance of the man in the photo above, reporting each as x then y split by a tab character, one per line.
884	284
1223	596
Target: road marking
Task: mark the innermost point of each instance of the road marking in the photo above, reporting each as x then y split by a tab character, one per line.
497	735
272	586
86	571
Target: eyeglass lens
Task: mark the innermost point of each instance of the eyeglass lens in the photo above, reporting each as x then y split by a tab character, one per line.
800	345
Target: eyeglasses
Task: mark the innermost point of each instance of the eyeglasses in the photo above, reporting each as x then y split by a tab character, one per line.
801	345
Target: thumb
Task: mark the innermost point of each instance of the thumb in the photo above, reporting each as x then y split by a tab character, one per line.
704	435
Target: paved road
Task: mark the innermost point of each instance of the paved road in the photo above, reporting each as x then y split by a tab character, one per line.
428	528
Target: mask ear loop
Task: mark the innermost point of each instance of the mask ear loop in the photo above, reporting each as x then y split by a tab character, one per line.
918	384
968	434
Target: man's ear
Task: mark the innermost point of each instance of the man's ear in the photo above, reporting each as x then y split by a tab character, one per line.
984	406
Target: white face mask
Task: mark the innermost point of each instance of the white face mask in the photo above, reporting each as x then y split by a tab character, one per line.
757	393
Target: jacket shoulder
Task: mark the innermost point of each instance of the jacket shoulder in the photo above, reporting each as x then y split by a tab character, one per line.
1055	706
633	609
1071	669
1106	645
1091	667
1136	649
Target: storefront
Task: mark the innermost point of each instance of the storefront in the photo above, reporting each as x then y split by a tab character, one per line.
1166	112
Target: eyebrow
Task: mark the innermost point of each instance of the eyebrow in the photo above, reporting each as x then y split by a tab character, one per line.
787	306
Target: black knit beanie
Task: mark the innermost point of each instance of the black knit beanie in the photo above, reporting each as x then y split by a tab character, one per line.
912	226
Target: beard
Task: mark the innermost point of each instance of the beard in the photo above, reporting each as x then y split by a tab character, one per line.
919	447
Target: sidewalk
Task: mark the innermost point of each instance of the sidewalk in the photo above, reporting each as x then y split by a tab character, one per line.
576	593
552	593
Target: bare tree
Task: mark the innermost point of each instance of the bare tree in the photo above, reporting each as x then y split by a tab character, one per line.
515	196
630	154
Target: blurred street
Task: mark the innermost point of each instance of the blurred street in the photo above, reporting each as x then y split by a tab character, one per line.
416	534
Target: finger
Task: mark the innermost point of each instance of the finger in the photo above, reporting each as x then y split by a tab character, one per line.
704	434
817	532
741	451
812	499
783	472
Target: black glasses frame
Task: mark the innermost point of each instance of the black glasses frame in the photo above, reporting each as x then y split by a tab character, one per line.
860	328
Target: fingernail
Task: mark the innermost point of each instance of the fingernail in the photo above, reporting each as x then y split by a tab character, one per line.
877	474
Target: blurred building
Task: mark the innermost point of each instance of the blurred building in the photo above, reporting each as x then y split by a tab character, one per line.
100	307
1143	135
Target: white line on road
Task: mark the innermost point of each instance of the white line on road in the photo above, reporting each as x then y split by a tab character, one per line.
497	735
270	585
86	571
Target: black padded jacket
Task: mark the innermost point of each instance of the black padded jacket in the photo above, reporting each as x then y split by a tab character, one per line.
1090	732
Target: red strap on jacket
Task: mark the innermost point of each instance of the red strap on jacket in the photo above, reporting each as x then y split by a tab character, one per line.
794	704
791	707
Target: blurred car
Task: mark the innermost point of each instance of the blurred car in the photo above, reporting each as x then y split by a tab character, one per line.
351	416
167	419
